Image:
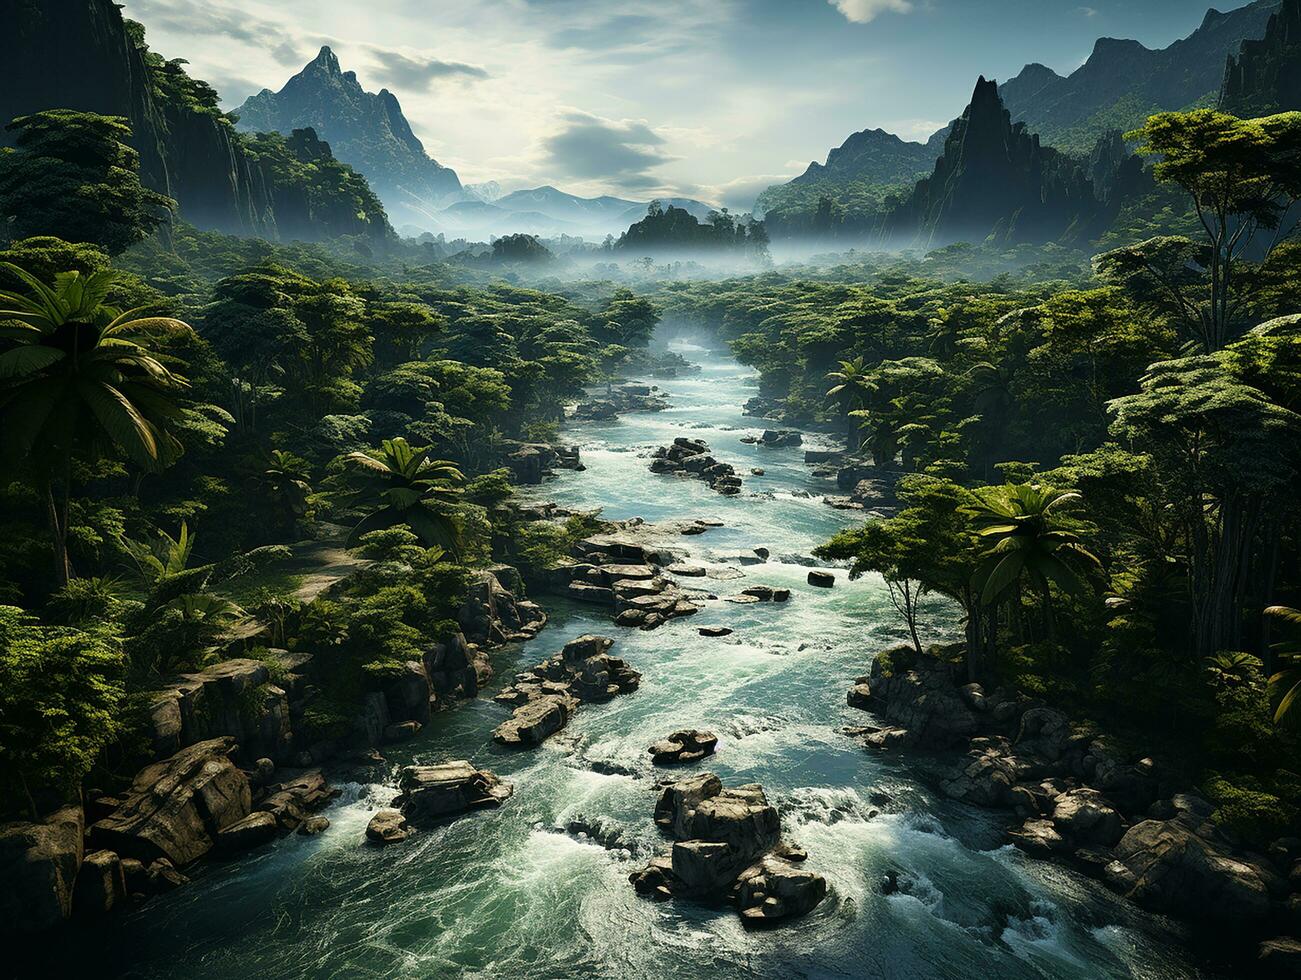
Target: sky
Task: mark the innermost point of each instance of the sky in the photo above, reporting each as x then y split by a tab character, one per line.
712	99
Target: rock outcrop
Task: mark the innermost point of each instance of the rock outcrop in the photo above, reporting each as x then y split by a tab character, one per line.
546	697
176	808
691	457
39	864
728	843
1264	78
435	792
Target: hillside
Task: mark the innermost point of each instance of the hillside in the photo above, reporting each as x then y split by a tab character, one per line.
1123	82
366	130
858	176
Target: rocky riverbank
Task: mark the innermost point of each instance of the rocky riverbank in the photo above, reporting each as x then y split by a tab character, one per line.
1080	797
236	764
616	401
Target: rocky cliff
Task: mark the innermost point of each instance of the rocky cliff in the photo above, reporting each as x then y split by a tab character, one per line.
82	54
1265	77
994	180
365	129
1123	82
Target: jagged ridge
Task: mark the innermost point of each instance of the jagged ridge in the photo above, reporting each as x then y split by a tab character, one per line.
366	130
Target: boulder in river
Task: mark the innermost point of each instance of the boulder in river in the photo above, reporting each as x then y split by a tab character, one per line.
685	746
387	826
432	792
546	696
821	579
727	841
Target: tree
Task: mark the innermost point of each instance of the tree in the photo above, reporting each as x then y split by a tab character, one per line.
74	175
928	547
60	695
1243	178
78	381
404	486
1027	537
853	385
1225	461
286	482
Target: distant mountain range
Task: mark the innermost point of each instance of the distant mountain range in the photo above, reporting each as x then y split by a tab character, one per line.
550	213
1123	82
364	129
871	182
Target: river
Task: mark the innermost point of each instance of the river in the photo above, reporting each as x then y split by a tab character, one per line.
506	894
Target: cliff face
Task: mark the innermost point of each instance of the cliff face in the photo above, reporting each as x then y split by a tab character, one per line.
1265	77
365	129
81	54
994	180
1123	82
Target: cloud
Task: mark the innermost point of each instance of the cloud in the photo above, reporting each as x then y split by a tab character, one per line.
1087	11
618	152
396	69
864	11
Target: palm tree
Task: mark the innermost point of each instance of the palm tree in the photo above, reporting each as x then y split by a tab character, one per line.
285	481
879	431
405	487
853	385
1285	686
79	381
1023	522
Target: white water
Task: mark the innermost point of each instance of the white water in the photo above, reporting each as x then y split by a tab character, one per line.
505	894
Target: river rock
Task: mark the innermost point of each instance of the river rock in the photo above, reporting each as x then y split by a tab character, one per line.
546	696
774	889
1087	817
100	886
176	808
728	838
39	862
684	746
534	720
387	826
821	580
256	829
780	438
1166	867
450	788
715	631
1039	838
292	800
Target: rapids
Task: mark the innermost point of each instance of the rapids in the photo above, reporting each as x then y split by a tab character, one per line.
508	894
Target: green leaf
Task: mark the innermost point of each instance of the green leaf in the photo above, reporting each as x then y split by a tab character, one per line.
28	360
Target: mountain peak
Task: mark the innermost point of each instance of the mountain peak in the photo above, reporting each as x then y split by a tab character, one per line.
326	58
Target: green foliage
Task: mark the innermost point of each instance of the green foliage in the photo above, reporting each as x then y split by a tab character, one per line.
60	690
74	175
